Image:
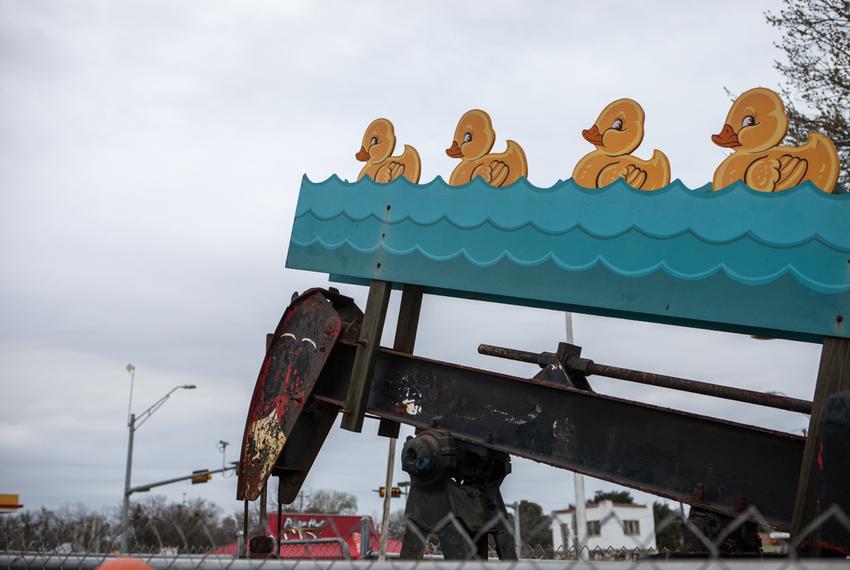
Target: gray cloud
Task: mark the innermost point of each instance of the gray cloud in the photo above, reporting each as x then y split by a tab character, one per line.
150	158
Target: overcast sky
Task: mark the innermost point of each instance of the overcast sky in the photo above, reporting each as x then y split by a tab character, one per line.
150	160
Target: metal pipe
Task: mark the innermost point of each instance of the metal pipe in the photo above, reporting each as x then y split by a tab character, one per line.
245	530
385	520
343	545
125	507
365	538
508	353
279	521
716	390
149	486
49	561
589	367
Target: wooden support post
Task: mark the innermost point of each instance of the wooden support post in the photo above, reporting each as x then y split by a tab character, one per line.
405	339
833	376
364	359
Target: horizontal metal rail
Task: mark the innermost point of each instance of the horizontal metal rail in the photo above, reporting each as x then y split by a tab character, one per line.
589	367
39	561
345	550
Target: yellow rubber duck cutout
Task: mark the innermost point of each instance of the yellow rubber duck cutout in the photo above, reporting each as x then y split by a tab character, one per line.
616	133
473	140
376	151
754	127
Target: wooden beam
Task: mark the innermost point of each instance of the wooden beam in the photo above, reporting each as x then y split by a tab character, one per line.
833	376
364	361
405	339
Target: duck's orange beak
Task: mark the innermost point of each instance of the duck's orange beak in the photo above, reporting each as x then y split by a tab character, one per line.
362	155
592	135
454	151
727	138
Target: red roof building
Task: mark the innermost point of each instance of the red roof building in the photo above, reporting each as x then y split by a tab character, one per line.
317	536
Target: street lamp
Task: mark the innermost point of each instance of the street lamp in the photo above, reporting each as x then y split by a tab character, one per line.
133	424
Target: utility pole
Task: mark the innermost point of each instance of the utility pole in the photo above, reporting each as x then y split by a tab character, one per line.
581	512
581	518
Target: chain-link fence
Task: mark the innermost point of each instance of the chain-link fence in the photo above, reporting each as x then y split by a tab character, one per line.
700	539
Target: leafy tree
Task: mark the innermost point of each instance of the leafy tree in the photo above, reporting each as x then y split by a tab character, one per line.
667	538
816	46
534	526
396	526
69	529
614	496
194	525
331	502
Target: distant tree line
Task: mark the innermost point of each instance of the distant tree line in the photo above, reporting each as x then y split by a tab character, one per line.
194	525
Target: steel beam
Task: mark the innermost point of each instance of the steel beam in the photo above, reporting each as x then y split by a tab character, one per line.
717	465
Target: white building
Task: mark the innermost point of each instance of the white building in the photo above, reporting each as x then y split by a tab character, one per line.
609	525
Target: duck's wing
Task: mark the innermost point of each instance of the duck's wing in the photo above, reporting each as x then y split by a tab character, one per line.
635	176
494	172
503	168
792	169
389	171
773	174
631	173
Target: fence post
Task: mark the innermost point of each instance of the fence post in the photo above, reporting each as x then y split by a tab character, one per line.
365	537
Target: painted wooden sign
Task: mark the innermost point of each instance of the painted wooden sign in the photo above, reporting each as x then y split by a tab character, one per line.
474	139
376	151
755	125
616	133
736	260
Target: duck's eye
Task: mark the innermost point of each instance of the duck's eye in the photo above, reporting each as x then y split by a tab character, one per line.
373	141
748	121
617	125
467	137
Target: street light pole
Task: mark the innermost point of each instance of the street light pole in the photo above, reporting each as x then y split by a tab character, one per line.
132	370
125	508
134	423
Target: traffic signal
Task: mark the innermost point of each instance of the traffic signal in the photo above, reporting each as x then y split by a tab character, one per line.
201	476
394	492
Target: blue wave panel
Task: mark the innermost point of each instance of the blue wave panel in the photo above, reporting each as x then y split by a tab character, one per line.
737	260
